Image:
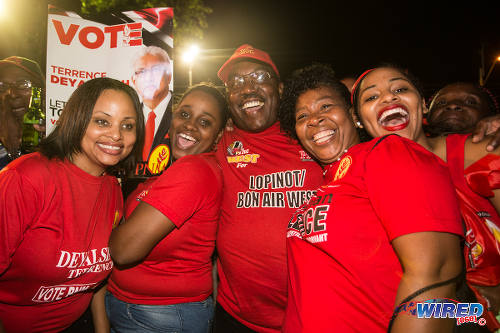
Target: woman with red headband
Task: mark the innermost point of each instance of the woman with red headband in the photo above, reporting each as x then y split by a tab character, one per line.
373	236
387	100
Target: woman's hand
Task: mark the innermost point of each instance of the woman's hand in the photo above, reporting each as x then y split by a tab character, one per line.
98	309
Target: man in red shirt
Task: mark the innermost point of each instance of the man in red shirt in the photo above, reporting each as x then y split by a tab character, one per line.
267	176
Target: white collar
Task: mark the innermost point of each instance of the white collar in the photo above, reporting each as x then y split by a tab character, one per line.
159	110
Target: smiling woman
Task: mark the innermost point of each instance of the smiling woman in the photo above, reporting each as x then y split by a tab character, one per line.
100	129
472	168
168	237
58	206
110	135
196	121
391	102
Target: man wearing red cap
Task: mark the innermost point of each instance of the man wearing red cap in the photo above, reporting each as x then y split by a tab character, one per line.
266	177
17	76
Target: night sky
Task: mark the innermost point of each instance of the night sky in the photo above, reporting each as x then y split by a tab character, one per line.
439	43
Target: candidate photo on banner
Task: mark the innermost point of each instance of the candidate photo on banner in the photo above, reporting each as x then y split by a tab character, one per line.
152	78
134	47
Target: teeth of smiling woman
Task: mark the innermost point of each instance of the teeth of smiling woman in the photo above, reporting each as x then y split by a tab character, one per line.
252	104
392	112
185	141
187	137
109	147
323	136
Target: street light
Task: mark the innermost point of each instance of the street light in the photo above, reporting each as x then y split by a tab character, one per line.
189	57
2	8
483	82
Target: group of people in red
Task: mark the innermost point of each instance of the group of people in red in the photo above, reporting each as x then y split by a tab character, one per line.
327	209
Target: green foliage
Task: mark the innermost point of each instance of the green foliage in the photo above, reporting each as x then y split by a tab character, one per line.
190	16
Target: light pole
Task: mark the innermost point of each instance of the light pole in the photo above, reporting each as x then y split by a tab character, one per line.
497	59
189	57
3	8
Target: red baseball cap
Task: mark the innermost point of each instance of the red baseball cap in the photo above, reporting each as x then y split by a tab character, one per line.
243	52
29	66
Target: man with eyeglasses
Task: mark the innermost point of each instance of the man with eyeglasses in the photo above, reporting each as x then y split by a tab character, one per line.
17	76
151	78
267	176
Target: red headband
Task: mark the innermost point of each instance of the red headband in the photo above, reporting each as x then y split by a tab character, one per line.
355	85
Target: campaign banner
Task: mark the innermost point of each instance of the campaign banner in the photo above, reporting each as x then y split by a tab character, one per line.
134	47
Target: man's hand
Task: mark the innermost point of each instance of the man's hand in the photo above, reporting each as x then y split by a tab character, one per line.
489	126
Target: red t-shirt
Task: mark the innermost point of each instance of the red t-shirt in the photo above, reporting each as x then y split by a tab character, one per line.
343	271
267	176
482	238
55	222
179	268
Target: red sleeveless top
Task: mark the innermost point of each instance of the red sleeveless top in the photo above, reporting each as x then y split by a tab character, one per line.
482	237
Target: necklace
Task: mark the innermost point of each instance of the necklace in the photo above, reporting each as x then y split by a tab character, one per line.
345	151
331	164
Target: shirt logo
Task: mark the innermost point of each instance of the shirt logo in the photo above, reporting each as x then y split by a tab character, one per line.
158	159
344	165
236	153
304	156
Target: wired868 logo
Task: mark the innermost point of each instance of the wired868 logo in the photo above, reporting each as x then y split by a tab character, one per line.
445	308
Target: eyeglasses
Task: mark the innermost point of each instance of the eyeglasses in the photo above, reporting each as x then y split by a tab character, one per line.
258	77
21	85
155	70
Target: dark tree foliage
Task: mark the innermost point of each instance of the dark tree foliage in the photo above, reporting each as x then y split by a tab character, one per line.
190	16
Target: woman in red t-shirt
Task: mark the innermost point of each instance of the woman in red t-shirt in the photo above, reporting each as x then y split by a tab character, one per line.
374	234
163	251
381	99
58	206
